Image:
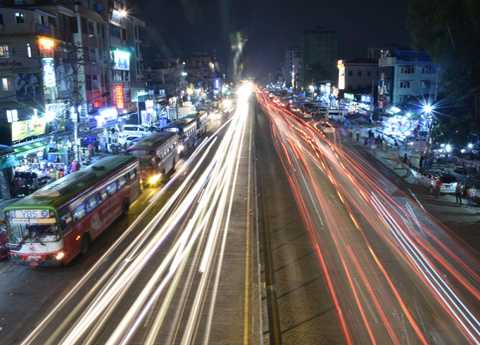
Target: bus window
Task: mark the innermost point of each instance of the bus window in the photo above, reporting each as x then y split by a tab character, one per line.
133	175
91	203
103	194
79	212
111	188
66	219
122	181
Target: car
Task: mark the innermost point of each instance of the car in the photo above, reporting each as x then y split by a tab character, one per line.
3	244
129	140
135	130
449	183
325	127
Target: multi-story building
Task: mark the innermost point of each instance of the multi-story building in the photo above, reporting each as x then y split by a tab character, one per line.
204	70
406	76
357	75
31	52
127	71
320	54
55	55
293	66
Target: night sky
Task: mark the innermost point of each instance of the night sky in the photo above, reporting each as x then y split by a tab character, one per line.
180	27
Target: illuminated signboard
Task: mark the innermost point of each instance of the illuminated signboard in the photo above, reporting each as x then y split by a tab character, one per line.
119	96
341	75
48	72
121	60
106	115
29	128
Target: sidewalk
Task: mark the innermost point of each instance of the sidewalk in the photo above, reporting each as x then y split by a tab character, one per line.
463	220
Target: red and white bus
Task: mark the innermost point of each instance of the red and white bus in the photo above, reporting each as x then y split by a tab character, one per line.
58	222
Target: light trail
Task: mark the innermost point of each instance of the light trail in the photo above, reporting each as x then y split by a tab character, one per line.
192	227
420	250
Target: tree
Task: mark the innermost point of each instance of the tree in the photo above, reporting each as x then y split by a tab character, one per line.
449	30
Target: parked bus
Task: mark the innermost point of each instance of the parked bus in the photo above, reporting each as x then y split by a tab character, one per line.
201	119
56	223
186	128
157	154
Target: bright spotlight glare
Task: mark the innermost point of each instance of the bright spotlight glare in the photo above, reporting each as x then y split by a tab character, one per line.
428	108
245	90
448	148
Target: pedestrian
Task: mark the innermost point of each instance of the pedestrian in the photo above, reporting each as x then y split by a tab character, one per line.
458	193
90	148
438	187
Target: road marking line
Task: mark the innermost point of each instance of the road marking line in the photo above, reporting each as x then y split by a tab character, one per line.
246	301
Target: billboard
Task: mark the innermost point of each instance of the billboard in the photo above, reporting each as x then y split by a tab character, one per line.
28	128
119	96
28	87
121	60
48	67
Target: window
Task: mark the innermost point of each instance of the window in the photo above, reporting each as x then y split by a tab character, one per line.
404	84
359	73
350	73
66	219
112	188
12	115
103	195
79	212
92	202
19	17
426	84
29	50
5	84
122	181
407	69
1	19
428	69
91	29
369	73
133	175
4	51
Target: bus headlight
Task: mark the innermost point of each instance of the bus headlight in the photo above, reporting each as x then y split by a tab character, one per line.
180	148
154	179
59	256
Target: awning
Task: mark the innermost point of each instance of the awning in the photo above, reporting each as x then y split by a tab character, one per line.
26	149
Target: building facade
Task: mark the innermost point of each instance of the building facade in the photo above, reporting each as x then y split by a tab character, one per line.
61	55
320	55
293	67
357	75
406	76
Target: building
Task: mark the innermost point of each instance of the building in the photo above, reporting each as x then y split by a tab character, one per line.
406	76
320	55
357	75
127	68
61	55
203	70
293	67
33	62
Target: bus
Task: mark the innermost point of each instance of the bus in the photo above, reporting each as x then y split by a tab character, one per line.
157	154
186	128
56	223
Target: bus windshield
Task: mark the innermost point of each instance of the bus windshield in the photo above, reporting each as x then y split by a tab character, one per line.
33	233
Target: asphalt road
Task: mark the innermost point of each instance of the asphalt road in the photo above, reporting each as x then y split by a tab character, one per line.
393	274
180	269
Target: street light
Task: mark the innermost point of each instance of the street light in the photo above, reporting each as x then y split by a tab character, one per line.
123	13
428	108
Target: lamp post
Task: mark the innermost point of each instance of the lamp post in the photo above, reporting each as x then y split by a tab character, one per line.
428	109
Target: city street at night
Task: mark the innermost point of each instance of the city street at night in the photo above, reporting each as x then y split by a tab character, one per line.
239	172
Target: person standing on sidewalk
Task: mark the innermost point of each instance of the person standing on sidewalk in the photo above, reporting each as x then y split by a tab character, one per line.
458	193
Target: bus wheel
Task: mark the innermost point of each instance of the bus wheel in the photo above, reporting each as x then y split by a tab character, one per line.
85	244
